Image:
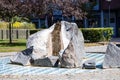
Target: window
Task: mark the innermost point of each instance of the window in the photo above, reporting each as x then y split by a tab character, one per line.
112	20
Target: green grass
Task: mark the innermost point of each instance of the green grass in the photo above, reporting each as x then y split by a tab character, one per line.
17	45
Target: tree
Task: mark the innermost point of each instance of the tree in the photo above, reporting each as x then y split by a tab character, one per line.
22	8
35	8
68	7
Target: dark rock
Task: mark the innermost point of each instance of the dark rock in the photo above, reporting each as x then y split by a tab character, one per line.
90	64
112	56
23	57
28	51
51	61
118	45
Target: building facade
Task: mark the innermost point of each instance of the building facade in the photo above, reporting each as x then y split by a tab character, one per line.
104	14
46	21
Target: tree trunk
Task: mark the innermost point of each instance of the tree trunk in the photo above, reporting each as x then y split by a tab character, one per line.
10	33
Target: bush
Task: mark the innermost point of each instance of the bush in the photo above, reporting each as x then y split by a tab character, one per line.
17	25
23	25
97	34
3	25
34	31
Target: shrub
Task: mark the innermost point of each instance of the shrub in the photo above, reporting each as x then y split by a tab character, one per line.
23	25
17	25
97	34
32	31
3	25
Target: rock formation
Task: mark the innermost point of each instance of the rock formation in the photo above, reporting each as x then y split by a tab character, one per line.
62	39
112	56
51	61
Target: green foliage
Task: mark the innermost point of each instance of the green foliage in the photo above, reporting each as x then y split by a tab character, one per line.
23	25
97	34
34	31
17	25
20	19
3	25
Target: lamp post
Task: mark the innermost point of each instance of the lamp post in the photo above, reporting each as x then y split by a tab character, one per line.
109	1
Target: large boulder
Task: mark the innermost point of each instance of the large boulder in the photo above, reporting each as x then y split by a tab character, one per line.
46	42
73	53
62	37
112	56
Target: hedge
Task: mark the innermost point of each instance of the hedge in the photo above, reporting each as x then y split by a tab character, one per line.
32	31
97	34
92	34
17	25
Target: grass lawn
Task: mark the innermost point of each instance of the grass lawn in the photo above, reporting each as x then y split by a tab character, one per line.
17	45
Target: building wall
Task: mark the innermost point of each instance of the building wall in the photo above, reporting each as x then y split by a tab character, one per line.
101	16
97	6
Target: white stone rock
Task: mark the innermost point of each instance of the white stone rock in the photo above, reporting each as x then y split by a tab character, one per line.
65	34
73	46
112	56
40	41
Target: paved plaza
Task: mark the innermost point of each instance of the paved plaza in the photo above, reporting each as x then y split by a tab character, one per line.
10	71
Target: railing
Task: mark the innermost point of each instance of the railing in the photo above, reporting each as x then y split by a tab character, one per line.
16	34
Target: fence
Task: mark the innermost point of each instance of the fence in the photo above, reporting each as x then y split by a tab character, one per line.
16	34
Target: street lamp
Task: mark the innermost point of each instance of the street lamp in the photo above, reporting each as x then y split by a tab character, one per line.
109	1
